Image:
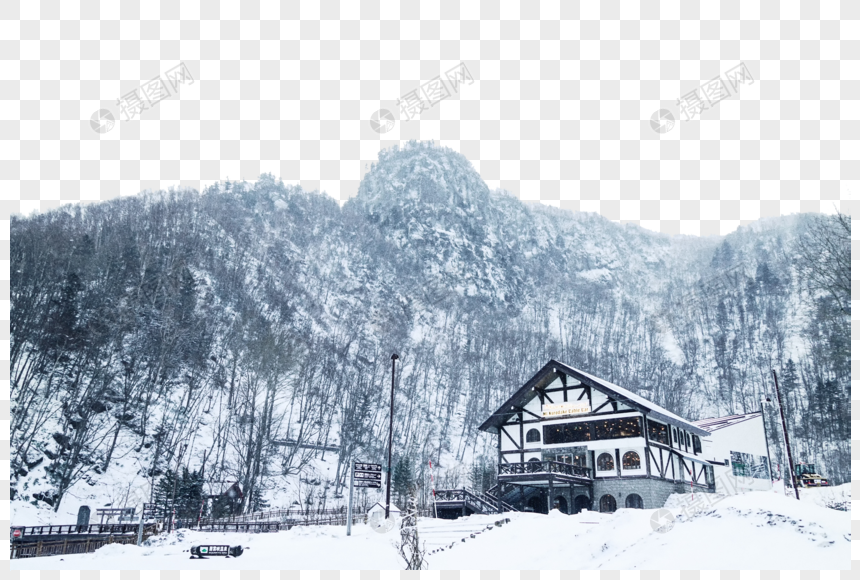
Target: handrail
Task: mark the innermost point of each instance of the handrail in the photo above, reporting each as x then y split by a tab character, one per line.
498	499
59	530
466	496
544	467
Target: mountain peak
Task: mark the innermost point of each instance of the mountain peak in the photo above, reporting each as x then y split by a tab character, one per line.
423	172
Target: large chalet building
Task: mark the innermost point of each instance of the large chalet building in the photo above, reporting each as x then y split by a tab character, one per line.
571	441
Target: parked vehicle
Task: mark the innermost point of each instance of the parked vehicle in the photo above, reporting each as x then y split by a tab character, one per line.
806	476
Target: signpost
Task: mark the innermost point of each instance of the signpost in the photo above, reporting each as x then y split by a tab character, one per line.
362	475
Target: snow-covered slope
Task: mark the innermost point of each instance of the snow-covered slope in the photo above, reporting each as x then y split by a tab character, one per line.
758	530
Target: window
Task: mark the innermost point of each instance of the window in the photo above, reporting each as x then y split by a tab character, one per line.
697	444
566	433
607	504
630	460
658	432
745	464
687	435
633	501
675	434
564	458
533	436
617	428
533	459
605	462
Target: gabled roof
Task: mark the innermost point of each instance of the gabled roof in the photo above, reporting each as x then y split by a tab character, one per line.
716	423
552	369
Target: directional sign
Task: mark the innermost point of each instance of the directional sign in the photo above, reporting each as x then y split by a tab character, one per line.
368	475
368	467
367	483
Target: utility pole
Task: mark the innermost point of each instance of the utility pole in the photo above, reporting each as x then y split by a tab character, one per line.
349	511
175	481
766	445
394	357
785	433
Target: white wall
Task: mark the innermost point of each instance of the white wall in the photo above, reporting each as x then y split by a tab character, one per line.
745	437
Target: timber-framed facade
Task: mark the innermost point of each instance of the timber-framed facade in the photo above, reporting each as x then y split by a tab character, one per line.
571	441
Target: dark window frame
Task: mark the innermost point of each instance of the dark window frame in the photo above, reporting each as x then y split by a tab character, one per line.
603	427
632	454
638	500
658	429
530	438
561	433
611	498
697	444
607	464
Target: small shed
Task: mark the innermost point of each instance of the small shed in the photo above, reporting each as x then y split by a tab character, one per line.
393	510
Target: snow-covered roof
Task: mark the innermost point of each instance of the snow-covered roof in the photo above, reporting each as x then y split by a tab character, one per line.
378	506
654	411
636	398
715	423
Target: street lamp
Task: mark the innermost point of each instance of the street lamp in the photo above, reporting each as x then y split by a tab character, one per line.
394	357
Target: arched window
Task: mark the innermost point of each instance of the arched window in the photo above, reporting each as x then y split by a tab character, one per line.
533	436
630	460
534	459
634	501
607	504
582	502
605	462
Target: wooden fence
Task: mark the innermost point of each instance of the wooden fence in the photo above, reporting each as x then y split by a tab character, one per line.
33	546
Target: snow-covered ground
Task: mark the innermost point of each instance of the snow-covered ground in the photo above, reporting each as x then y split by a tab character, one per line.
759	530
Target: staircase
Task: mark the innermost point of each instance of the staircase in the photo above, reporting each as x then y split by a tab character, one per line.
466	501
492	495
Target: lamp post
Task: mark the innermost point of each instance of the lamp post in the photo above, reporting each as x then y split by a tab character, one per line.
394	357
785	433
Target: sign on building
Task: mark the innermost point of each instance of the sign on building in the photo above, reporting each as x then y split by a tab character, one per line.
368	475
554	410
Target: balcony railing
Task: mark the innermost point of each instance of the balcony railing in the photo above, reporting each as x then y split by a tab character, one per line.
544	467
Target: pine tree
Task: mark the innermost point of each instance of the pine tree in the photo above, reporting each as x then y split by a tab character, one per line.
258	502
402	480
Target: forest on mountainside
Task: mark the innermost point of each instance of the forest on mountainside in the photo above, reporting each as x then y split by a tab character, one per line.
249	322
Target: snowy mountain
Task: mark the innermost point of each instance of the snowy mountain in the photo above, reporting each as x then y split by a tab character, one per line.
253	322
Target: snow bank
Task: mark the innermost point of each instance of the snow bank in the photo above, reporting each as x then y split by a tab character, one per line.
838	497
758	530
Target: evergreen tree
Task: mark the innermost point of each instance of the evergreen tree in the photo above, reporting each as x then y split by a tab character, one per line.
189	495
258	502
402	480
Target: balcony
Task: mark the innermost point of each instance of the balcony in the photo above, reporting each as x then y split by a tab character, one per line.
536	470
